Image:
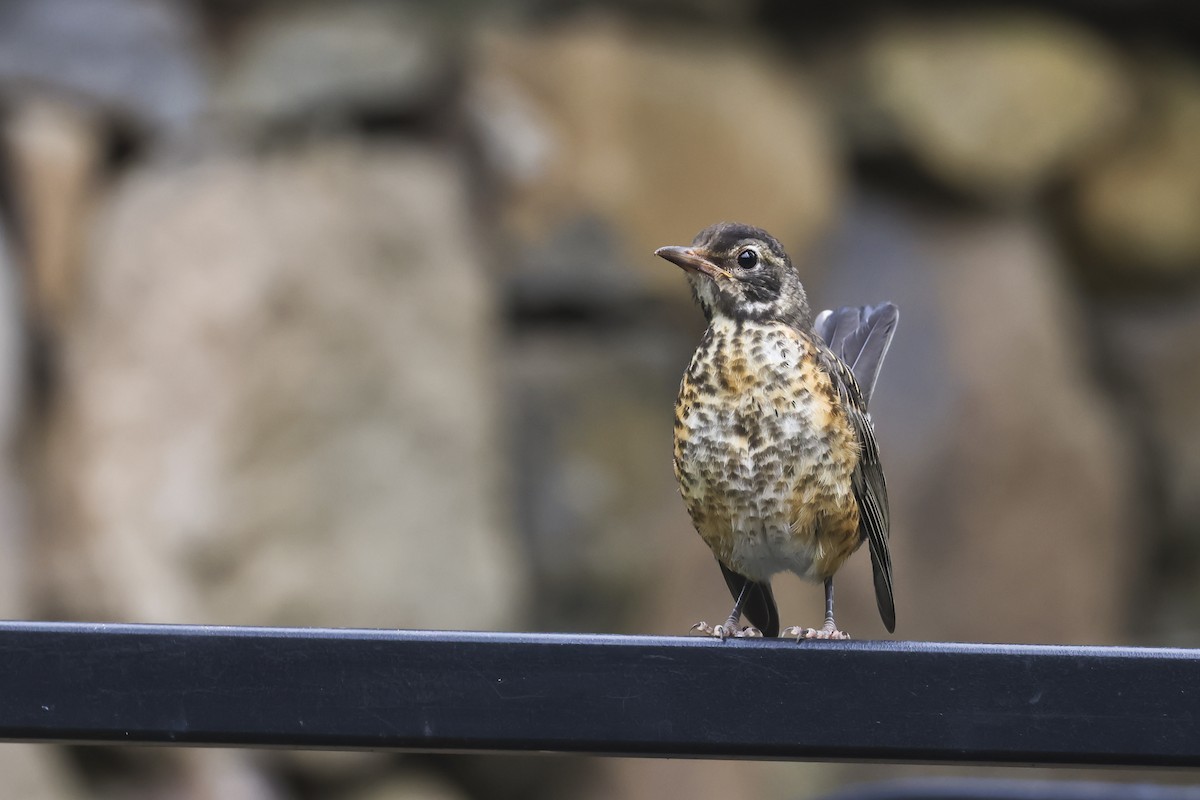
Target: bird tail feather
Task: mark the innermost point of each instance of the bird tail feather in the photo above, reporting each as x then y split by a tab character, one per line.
860	336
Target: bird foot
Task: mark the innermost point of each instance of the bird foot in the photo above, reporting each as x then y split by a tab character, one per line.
825	632
723	632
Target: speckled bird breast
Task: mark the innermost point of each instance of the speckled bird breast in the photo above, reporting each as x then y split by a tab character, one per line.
764	453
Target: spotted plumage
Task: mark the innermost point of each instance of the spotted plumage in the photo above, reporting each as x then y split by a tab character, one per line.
774	451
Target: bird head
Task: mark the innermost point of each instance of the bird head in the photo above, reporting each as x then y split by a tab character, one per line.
741	272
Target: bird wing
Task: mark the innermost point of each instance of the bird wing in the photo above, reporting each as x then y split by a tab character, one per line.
870	491
860	337
867	481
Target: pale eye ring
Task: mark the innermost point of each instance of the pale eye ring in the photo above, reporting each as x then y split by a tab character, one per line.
747	259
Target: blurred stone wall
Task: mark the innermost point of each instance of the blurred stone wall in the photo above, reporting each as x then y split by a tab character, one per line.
346	314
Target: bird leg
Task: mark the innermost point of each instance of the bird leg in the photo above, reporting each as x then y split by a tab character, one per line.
828	630
730	628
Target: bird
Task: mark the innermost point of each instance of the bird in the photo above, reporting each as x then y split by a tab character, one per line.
774	450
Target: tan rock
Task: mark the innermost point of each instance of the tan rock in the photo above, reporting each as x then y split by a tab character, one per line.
650	778
995	104
278	403
39	772
656	136
1138	209
55	149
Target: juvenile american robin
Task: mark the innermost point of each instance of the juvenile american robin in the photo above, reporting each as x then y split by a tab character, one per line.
774	450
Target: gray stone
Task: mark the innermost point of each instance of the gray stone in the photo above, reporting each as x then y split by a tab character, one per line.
994	104
212	774
579	268
1153	354
315	61
136	59
13	388
279	400
1011	481
1138	209
594	487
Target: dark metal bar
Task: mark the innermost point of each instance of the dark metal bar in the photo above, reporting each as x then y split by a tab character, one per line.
994	789
648	696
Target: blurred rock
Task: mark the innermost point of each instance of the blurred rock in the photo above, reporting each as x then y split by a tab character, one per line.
592	433
37	772
1138	209
407	787
14	524
578	270
652	778
310	61
1153	354
136	59
1011	482
650	136
217	774
331	767
712	12
55	148
180	773
993	104
279	400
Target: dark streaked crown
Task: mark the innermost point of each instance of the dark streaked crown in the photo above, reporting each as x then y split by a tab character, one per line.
726	237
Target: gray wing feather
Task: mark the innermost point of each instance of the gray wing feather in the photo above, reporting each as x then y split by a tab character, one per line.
865	334
860	336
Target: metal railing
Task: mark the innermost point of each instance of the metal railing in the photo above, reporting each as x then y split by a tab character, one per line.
644	696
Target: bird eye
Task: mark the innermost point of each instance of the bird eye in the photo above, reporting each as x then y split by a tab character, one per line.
747	259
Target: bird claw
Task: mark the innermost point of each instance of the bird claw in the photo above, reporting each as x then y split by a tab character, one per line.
723	632
800	634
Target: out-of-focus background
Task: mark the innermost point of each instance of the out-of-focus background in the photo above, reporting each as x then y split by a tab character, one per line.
346	315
